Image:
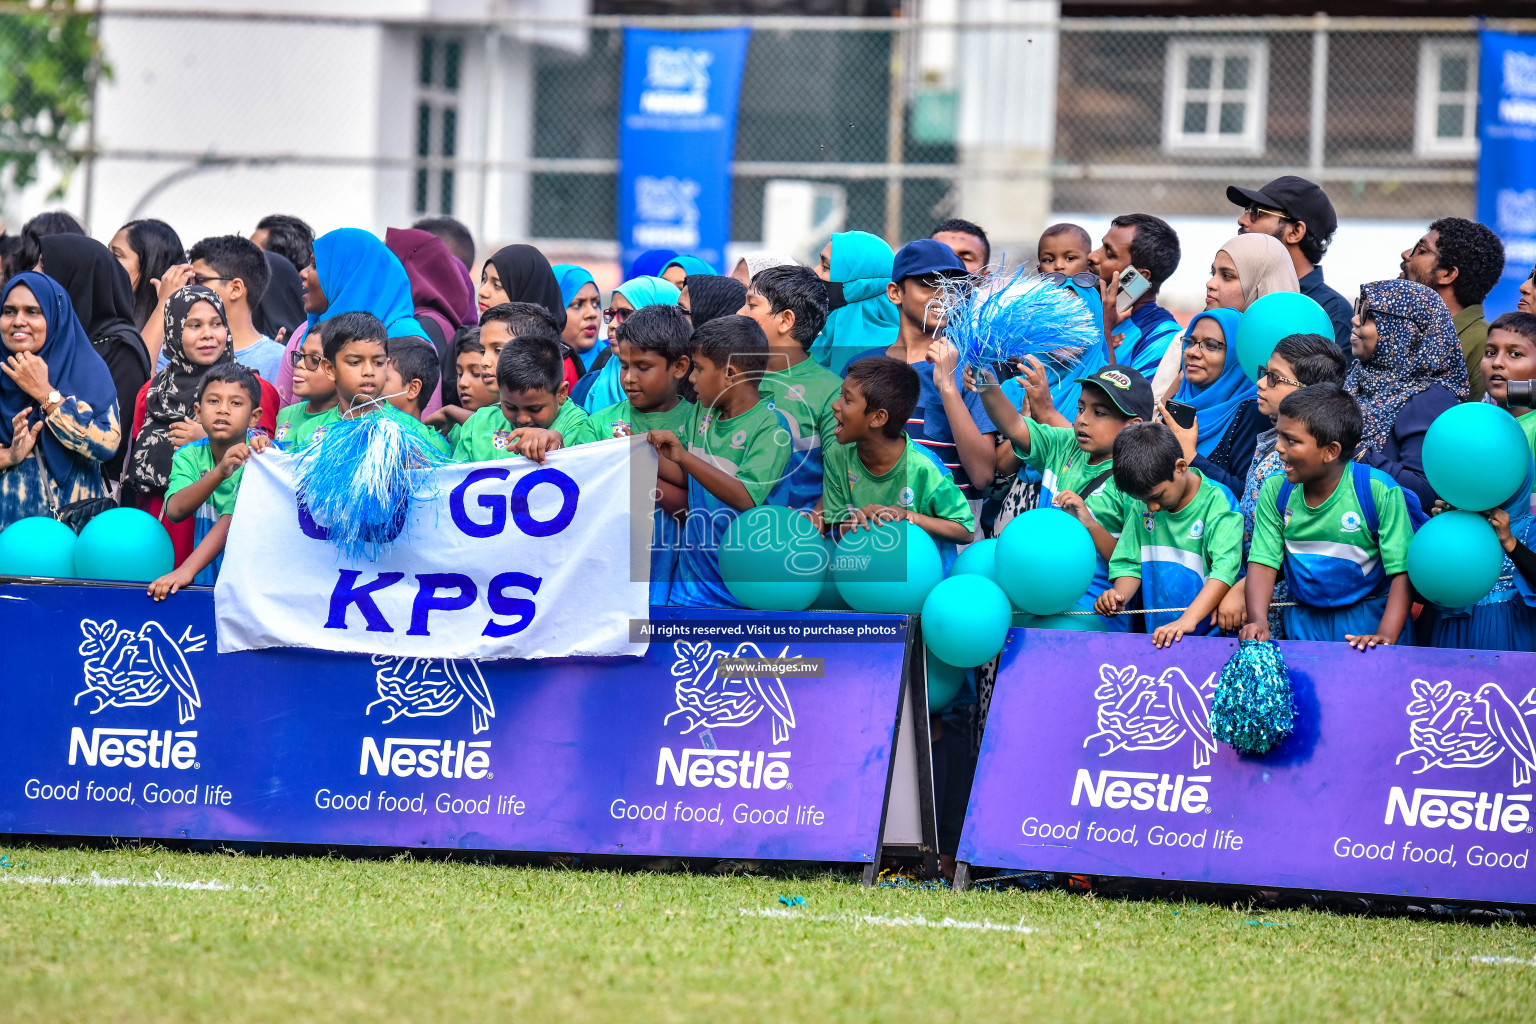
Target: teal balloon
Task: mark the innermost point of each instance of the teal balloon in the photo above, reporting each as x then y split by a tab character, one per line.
829	599
1475	456
1079	623
944	682
888	569
966	620
1454	559
1045	561
979	559
37	546
772	559
1273	317
124	544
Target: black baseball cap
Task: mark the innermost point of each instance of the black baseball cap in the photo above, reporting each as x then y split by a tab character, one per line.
1297	198
1126	387
926	258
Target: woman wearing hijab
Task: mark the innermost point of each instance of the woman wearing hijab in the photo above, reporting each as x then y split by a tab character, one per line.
520	273
681	268
100	292
752	264
437	289
1410	369
857	268
651	263
1227	420
707	296
604	389
583	311
281	309
1247	268
58	403
353	272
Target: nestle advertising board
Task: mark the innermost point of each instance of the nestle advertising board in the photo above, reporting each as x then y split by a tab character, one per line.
1410	772
117	718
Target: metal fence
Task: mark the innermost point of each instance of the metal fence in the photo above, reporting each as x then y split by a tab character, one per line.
895	123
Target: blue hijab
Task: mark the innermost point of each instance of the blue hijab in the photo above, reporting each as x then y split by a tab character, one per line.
691	265
1217	403
74	370
651	262
358	274
638	292
572	279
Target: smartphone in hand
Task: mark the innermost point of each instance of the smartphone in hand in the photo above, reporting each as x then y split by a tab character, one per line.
1181	413
1129	287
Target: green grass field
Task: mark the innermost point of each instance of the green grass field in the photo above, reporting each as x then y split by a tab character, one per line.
89	935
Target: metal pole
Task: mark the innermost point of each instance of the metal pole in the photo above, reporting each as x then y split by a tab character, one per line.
88	201
894	133
492	52
1319	113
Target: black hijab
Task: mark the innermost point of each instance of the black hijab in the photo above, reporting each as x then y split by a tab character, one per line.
526	276
711	296
283	303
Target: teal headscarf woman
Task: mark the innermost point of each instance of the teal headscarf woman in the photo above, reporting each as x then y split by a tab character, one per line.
1216	400
857	267
583	311
633	294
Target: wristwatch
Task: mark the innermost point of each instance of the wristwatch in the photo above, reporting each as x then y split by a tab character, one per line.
54	401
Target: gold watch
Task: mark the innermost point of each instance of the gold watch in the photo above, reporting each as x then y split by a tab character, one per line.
54	401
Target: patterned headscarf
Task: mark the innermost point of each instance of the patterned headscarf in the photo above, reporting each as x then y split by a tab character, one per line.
172	392
1416	348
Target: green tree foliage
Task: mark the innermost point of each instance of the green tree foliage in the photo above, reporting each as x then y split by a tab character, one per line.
46	53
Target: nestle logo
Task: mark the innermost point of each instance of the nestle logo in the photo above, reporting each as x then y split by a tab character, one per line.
726	769
1142	791
426	759
134	748
1460	809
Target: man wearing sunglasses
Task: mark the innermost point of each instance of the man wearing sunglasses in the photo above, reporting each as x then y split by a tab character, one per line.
1298	212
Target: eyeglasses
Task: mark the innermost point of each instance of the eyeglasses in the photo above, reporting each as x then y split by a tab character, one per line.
1421	249
615	316
1210	345
200	279
1083	280
1255	211
298	358
1272	378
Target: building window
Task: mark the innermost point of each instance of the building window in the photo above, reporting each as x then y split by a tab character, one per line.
1446	125
437	123
1215	96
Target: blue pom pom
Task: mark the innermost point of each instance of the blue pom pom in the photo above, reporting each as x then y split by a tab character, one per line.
1253	708
1000	317
360	479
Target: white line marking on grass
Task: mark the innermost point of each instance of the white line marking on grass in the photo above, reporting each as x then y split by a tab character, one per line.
1504	960
917	921
138	883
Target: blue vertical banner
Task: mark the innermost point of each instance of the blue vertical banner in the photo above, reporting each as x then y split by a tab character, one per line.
677	135
1506	167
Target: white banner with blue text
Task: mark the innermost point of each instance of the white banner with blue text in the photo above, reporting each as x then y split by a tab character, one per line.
508	559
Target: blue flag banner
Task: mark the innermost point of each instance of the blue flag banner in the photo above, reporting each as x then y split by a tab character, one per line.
677	133
1506	169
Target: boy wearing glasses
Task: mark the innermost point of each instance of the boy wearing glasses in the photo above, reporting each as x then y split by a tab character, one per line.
237	269
1297	212
316	392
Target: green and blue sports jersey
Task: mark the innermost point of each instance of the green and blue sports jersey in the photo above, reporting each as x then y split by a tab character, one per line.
622	420
188	465
485	435
916	483
1176	553
754	448
1062	464
314	428
804	393
293	419
1330	557
1109	507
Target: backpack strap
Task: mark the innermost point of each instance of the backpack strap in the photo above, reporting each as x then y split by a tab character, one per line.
1094	484
434	334
1282	499
1362	481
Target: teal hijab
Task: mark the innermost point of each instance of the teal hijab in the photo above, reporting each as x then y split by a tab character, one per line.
691	265
1218	402
862	316
572	279
638	292
358	274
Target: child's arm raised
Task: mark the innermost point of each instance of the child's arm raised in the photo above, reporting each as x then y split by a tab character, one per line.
1008	420
201	557
186	501
718	482
977	451
1037	387
1393	617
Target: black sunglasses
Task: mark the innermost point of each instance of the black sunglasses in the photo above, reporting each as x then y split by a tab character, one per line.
1364	311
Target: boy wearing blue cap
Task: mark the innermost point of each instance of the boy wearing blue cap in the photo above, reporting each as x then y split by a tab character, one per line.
949	423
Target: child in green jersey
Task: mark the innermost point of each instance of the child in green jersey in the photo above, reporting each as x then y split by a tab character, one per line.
316	392
205	475
654	347
874	473
1340	530
411	374
1510	354
535	415
790	305
356	359
731	457
1184	550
